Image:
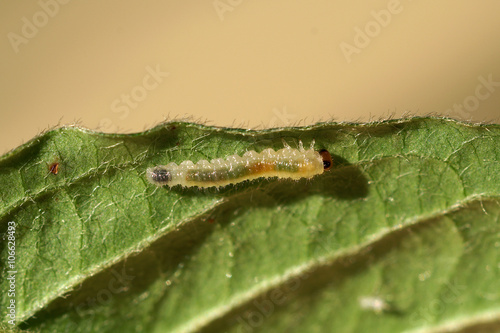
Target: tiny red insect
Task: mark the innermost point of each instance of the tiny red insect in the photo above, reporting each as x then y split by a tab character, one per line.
54	168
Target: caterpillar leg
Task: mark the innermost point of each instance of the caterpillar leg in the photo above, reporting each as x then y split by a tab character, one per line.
286	145
301	146
313	142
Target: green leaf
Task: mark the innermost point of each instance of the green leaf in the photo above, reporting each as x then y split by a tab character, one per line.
403	234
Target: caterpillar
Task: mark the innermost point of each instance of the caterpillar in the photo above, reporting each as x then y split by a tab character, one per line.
284	163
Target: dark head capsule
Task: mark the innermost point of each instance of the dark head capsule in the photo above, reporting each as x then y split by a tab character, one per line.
327	159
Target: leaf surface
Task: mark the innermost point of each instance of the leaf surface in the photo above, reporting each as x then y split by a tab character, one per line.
403	234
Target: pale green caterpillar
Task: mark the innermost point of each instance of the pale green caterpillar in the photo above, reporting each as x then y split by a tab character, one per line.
284	163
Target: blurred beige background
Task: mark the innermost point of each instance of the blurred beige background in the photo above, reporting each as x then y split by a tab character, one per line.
127	65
